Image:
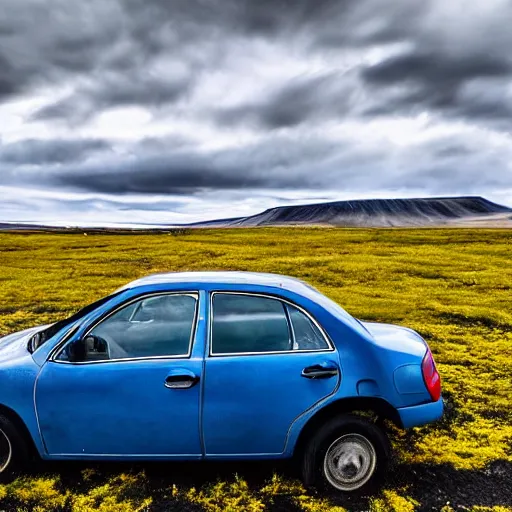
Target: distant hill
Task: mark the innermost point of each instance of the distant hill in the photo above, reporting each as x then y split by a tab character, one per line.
17	226
379	213
422	212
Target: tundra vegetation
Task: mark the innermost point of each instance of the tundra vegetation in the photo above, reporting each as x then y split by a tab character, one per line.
454	286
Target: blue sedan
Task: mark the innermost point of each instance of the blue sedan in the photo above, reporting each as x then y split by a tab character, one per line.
216	365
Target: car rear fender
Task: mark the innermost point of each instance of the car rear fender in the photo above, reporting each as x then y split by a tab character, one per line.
305	426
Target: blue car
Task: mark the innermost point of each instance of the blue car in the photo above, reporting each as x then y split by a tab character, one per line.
216	366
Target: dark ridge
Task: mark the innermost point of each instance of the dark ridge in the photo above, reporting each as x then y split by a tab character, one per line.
212	223
378	212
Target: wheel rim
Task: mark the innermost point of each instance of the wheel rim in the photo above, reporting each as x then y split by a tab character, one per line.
5	451
350	462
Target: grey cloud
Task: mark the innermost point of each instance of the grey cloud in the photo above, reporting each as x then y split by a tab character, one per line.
442	167
434	69
113	90
452	150
159	177
303	99
41	45
153	54
282	162
368	60
8	79
274	163
447	55
40	152
93	46
265	18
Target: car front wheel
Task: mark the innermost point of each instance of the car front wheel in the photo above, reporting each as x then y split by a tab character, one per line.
13	450
347	454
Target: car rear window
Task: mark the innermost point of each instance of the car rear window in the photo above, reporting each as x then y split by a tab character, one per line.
306	335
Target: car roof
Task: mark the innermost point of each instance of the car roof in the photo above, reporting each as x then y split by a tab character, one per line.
225	277
291	284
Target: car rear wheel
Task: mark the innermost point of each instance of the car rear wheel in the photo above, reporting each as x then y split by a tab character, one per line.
347	454
13	450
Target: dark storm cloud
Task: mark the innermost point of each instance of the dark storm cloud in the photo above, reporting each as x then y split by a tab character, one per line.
436	81
38	152
434	69
280	163
97	47
115	89
108	48
184	34
152	53
40	44
8	79
160	177
264	18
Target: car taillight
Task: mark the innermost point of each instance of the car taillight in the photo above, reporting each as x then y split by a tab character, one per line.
431	376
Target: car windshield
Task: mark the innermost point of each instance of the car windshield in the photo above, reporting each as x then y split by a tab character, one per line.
41	337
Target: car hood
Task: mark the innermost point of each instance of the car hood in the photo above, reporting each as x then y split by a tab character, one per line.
15	345
397	338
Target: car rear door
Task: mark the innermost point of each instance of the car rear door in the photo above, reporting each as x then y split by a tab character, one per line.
268	363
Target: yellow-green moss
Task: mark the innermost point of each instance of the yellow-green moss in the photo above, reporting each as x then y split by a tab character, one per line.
453	286
226	497
124	493
39	494
297	495
391	501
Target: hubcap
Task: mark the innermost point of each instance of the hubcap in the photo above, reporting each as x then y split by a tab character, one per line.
350	462
5	451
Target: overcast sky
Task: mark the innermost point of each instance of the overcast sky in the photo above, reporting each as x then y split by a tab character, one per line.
183	110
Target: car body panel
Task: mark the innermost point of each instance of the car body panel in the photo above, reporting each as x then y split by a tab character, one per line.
112	403
14	346
244	406
18	373
251	401
417	415
118	408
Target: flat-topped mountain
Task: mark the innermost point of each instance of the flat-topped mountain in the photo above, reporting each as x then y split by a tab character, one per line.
422	212
379	213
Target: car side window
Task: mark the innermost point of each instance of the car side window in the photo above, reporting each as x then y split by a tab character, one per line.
256	324
247	323
306	335
154	326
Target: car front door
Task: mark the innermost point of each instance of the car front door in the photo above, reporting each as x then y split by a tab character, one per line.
268	363
129	386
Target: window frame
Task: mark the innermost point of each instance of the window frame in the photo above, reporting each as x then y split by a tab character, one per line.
193	332
283	301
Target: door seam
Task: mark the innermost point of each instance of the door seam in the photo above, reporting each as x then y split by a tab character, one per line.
43	442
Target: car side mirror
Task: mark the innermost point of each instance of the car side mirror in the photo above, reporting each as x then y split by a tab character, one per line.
76	351
90	348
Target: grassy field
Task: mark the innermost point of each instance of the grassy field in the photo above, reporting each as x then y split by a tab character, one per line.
452	285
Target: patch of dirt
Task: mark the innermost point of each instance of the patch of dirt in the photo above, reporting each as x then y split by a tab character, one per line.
433	486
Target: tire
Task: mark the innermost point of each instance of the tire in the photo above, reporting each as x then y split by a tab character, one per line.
364	448
13	450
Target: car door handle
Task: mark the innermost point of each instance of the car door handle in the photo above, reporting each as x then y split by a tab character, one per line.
318	371
181	379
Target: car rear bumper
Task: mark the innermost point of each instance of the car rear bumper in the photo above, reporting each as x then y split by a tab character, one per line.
417	415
